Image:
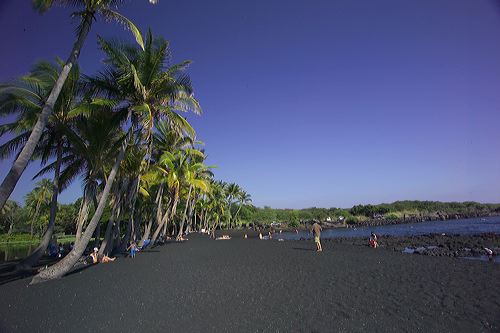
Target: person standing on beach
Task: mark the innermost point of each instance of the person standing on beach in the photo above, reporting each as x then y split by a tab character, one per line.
316	230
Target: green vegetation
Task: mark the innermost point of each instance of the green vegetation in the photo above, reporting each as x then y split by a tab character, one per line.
398	210
26	239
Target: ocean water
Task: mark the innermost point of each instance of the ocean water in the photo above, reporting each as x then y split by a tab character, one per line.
461	227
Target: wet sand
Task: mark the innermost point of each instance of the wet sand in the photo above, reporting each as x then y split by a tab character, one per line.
250	285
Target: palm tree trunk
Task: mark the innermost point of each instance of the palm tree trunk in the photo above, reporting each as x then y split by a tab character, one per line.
237	212
33	259
190	217
11	227
194	216
97	234
126	237
37	210
164	221
107	236
62	267
123	242
82	216
133	199
147	232
158	200
22	160
112	229
116	231
138	221
184	215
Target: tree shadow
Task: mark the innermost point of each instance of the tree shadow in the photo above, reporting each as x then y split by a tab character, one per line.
148	251
14	276
79	269
10	273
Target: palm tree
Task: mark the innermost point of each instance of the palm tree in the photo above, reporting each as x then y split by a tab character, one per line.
27	98
92	142
217	206
244	199
232	191
9	214
172	166
89	9
37	200
194	179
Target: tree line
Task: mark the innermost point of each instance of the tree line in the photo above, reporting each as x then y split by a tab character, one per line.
398	210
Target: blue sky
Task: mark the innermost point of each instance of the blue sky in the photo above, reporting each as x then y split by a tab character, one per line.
316	103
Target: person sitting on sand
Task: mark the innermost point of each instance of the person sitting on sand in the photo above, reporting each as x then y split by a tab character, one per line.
105	259
373	240
61	251
316	230
96	258
245	236
53	248
489	253
224	237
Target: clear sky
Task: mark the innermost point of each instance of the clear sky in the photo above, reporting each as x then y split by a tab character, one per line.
319	102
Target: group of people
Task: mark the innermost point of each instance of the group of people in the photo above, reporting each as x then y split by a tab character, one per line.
132	250
58	250
316	231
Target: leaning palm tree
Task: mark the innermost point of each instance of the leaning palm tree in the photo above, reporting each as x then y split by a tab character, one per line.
89	10
26	99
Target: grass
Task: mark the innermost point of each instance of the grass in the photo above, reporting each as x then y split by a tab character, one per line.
26	239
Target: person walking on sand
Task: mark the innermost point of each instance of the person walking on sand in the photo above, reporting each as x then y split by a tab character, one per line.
373	240
316	230
133	249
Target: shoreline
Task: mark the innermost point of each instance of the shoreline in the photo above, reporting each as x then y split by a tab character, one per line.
437	245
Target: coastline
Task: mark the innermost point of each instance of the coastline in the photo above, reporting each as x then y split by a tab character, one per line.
423	218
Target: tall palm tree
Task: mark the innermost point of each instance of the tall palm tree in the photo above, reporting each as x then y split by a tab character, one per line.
217	206
89	10
193	178
231	191
244	199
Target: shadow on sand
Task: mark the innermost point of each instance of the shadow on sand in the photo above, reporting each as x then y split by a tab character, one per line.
303	249
9	273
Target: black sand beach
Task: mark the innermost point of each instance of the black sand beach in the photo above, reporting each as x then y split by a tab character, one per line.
251	285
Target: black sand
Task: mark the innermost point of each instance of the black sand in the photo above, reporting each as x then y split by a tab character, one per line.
251	285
